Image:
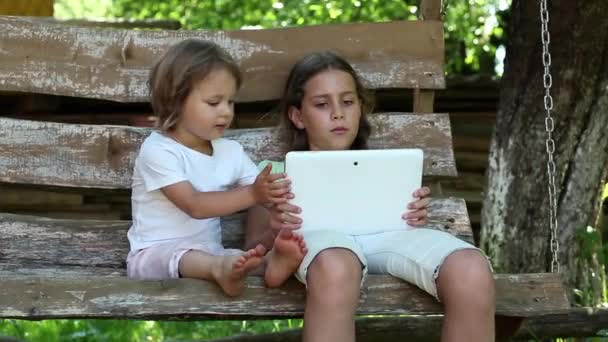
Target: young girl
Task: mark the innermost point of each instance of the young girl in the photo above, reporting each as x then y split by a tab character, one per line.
186	177
324	108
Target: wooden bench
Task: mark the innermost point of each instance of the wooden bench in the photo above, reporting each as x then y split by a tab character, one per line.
52	268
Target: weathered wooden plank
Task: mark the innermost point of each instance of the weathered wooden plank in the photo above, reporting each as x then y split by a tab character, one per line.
31	297
578	322
53	58
37	242
430	9
424	100
100	156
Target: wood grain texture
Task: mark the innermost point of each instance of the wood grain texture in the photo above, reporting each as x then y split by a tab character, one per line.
38	243
100	156
53	58
33	297
430	9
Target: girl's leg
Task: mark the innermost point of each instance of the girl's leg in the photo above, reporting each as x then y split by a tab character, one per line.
464	281
466	287
333	284
229	271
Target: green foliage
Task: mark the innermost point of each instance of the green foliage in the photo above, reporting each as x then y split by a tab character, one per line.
76	9
135	331
592	250
474	29
225	14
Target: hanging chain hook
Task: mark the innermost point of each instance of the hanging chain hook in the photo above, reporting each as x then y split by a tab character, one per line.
549	142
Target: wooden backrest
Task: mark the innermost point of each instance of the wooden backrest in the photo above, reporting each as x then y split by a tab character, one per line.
54	58
42	56
112	64
101	156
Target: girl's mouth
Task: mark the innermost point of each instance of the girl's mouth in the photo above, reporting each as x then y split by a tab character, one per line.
339	130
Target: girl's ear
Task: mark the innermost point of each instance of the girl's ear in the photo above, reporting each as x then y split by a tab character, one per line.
295	115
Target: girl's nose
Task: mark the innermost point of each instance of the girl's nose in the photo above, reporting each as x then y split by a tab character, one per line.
227	110
337	114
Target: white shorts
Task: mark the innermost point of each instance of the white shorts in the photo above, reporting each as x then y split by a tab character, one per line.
413	255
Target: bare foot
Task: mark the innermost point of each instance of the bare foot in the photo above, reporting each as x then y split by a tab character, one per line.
231	273
284	259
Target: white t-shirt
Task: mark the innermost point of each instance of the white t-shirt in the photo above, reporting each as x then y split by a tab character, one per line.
162	161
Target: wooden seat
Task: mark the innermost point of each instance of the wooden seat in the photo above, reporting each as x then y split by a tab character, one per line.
52	268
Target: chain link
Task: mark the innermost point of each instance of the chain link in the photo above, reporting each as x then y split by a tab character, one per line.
549	142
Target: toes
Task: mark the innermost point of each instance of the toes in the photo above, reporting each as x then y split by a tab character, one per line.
286	234
260	250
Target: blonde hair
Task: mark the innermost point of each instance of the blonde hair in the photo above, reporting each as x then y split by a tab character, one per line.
174	75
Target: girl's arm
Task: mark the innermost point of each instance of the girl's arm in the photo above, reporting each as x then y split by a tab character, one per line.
201	205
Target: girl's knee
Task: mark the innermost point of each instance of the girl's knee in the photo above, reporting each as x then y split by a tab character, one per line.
335	266
334	274
467	275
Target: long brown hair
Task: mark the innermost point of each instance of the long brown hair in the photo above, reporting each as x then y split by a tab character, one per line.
174	75
310	65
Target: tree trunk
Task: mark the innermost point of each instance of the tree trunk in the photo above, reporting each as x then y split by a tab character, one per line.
515	225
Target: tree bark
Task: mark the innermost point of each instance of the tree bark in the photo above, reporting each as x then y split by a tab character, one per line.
515	225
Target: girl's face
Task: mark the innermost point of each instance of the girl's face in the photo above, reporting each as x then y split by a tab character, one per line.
208	109
330	111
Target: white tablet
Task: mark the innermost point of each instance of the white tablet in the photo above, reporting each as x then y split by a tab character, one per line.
354	192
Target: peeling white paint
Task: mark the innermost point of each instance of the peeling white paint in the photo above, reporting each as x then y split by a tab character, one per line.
120	300
78	294
69	154
92	62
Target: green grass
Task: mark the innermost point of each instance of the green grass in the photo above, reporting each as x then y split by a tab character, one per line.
129	330
149	331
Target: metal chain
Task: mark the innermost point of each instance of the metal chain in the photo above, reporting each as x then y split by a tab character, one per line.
549	142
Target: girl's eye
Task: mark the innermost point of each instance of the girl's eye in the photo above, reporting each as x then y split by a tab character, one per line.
320	105
231	102
348	102
213	104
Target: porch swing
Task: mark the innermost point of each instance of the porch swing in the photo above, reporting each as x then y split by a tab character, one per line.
69	268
